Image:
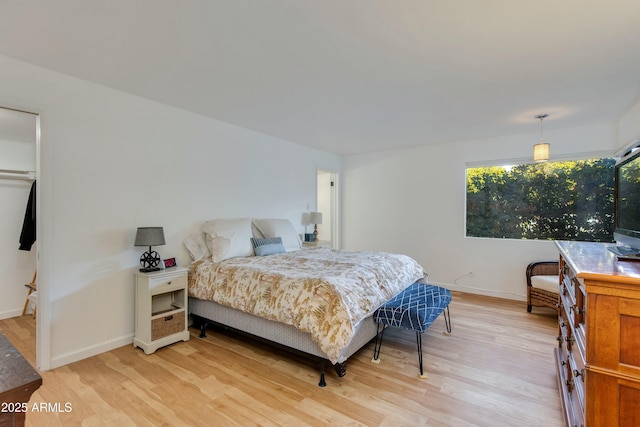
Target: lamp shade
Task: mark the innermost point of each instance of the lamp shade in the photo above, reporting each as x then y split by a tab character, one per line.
305	219
149	236
315	217
541	152
541	149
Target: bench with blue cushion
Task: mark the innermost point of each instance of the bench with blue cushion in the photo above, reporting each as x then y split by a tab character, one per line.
415	308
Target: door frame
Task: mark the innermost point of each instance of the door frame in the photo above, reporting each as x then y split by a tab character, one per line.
334	204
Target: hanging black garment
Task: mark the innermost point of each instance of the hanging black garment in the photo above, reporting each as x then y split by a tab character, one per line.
28	234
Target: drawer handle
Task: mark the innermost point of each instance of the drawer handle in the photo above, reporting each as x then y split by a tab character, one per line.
166	319
169	282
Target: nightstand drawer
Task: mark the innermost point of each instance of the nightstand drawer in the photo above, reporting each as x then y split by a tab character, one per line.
164	283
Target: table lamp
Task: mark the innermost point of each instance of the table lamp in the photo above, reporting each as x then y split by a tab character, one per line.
315	218
149	236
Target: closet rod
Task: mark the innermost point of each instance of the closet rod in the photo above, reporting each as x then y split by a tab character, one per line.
16	174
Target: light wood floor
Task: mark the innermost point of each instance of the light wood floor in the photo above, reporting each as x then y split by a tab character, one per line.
496	369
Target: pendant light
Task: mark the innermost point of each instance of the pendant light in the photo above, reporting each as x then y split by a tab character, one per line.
541	149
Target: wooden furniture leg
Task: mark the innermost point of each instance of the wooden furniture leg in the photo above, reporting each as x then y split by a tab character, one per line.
32	288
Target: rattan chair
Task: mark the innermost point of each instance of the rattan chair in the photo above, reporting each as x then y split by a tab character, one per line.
542	291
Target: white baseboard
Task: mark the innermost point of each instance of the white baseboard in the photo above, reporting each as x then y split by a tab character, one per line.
10	313
479	291
89	351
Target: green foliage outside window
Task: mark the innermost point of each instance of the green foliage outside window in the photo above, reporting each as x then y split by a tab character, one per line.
568	200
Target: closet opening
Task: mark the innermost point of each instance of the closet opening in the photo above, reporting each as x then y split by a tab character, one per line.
19	165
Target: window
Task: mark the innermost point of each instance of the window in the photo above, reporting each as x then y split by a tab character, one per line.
567	200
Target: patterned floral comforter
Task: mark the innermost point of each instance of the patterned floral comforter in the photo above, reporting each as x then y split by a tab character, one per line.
322	291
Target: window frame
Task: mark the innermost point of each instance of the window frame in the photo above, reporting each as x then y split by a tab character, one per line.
521	162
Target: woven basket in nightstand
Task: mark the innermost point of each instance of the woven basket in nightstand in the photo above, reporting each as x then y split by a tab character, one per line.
168	325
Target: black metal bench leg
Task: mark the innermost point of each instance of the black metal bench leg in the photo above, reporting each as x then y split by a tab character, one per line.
376	349
419	339
447	320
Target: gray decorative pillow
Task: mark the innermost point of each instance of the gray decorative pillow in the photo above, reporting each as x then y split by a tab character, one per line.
270	246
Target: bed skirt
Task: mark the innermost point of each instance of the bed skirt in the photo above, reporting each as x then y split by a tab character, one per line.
279	333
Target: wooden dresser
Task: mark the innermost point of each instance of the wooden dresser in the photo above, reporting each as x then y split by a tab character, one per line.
598	353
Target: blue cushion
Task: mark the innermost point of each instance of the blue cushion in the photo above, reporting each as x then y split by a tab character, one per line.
414	308
270	246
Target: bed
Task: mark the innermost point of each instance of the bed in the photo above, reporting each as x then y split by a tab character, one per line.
317	302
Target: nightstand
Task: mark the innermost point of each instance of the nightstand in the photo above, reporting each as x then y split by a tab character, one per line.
161	308
322	243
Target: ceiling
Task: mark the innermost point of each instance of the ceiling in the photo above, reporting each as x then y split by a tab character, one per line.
349	76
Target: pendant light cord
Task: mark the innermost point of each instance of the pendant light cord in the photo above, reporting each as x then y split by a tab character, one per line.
541	117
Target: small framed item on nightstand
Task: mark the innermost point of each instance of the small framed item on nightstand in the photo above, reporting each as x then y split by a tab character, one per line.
170	262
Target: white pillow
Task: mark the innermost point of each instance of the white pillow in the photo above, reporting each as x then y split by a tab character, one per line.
196	244
228	238
254	230
282	228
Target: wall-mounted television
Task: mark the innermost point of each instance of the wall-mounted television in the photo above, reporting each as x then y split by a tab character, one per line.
627	202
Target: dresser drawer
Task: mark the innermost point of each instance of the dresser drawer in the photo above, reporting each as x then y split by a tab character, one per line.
564	330
568	284
577	372
572	408
567	319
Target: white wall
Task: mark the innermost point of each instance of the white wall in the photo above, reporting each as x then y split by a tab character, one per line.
111	162
413	201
